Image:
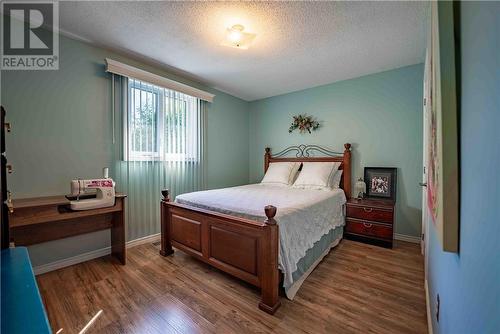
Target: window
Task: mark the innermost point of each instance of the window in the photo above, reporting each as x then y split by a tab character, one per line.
161	125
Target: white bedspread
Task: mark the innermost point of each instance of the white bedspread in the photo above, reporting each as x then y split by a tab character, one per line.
303	215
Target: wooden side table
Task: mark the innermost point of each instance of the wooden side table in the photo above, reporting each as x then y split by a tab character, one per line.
41	219
370	221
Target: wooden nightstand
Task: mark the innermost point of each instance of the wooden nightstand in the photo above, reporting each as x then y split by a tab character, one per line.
371	221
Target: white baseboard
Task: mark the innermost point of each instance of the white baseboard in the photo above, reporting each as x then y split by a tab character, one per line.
428	306
144	240
45	268
407	238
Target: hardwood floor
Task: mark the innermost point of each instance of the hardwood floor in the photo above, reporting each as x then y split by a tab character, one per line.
357	288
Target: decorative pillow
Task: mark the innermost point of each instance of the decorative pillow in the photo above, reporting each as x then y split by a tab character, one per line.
335	181
316	175
281	173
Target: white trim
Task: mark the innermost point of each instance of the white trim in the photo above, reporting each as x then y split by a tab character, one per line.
116	67
428	307
144	240
407	238
45	268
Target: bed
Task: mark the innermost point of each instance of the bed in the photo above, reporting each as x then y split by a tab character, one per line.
237	231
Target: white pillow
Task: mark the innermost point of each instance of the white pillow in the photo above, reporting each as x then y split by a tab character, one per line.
281	173
335	181
316	175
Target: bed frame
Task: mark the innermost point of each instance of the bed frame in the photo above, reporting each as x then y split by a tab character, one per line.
241	247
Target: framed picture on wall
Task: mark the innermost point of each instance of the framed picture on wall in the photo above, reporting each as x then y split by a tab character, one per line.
441	126
381	182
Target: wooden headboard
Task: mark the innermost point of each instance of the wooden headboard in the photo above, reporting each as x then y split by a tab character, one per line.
306	153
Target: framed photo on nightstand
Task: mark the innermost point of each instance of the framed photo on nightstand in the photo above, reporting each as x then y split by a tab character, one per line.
381	182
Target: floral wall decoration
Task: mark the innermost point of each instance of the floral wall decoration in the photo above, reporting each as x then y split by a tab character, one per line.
304	123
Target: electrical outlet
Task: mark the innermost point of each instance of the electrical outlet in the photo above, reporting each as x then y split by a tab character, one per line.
438	304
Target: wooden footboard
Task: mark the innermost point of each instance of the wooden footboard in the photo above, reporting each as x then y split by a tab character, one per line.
241	247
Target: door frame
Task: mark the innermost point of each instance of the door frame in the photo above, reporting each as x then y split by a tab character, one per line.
427	105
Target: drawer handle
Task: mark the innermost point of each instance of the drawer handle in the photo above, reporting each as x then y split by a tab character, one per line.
10	206
368	225
368	209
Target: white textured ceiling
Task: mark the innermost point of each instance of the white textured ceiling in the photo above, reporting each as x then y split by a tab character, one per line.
298	44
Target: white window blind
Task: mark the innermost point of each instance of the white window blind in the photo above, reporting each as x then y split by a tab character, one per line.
160	144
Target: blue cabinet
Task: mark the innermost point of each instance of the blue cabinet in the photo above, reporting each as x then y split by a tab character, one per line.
22	307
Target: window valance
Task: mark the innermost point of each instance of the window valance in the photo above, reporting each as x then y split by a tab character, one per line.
116	67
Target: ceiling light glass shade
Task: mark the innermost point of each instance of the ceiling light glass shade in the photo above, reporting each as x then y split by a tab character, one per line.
237	38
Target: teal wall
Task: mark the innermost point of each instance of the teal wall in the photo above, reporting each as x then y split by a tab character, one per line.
380	114
468	283
61	129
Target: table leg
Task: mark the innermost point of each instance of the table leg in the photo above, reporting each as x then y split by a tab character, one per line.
118	236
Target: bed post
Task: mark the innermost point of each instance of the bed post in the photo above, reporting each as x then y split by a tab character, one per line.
347	170
267	157
270	274
166	245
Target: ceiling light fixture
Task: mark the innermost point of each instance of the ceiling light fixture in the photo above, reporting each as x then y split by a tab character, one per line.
237	38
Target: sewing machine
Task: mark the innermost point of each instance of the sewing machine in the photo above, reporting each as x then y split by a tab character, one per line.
92	194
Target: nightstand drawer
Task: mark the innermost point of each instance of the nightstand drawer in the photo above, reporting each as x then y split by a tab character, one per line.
367	228
370	213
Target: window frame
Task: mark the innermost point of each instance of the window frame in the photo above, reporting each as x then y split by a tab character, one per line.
161	100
